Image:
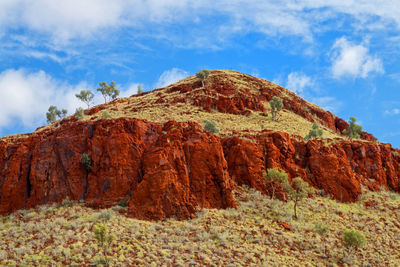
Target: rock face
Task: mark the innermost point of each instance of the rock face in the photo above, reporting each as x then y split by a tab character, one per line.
167	170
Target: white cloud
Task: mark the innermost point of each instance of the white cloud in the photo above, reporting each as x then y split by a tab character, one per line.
353	60
25	97
297	82
394	111
65	20
171	76
327	103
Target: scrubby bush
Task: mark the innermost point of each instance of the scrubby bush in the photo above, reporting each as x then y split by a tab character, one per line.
211	126
203	75
104	215
353	239
274	177
87	161
104	239
315	132
296	191
276	106
79	113
354	129
124	202
321	229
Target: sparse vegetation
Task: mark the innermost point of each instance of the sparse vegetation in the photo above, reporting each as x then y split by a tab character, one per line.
315	132
353	240
108	91
104	239
321	229
203	75
86	96
54	112
139	89
276	106
211	126
50	236
275	177
296	191
354	129
87	162
105	115
79	114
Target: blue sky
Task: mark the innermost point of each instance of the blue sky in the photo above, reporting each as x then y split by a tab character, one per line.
341	55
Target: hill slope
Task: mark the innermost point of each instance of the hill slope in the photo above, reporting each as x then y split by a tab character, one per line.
154	153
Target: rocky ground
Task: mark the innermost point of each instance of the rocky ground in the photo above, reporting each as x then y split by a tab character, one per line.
260	232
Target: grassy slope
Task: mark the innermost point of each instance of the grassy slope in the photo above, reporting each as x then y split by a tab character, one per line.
248	236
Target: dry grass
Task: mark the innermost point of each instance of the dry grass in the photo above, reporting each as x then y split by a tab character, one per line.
248	236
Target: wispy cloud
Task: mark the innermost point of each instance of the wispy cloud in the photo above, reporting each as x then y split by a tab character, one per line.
298	81
394	111
170	76
353	60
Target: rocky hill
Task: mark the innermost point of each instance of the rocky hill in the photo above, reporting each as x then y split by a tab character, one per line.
154	153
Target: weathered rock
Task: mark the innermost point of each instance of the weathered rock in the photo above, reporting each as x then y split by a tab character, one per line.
167	170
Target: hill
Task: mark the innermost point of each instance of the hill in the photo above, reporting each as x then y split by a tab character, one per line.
148	157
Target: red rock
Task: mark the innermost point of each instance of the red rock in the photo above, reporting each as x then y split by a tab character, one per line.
166	173
370	203
285	226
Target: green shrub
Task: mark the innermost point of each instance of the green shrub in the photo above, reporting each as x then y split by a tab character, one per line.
104	239
353	239
79	113
104	215
105	115
87	161
276	106
275	176
321	229
211	126
354	129
315	132
124	202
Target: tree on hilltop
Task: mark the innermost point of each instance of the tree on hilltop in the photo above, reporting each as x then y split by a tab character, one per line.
203	75
54	112
86	96
108	91
139	89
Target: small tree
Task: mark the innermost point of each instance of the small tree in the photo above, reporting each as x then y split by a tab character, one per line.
54	112
275	176
296	191
321	229
315	132
104	239
79	114
203	75
139	89
211	126
354	129
276	106
352	240
108	91
86	96
87	161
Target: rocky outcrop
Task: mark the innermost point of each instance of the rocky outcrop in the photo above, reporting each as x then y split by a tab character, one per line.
165	170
